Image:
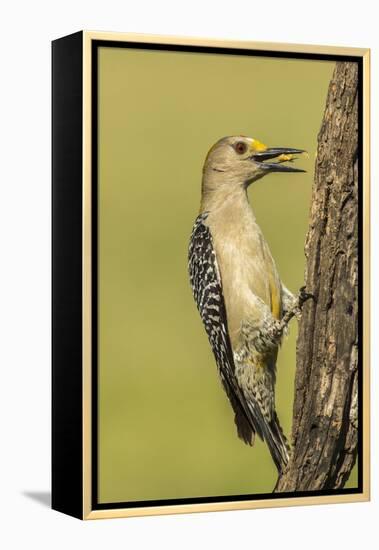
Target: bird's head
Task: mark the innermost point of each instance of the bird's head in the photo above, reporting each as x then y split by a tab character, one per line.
237	161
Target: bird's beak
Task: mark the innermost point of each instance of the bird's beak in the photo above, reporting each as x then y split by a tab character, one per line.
282	154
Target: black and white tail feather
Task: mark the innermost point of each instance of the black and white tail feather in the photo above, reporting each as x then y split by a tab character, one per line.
206	286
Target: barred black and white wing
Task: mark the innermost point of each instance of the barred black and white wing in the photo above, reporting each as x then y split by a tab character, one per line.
206	286
207	290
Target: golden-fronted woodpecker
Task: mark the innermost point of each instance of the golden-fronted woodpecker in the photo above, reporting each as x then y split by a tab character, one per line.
243	304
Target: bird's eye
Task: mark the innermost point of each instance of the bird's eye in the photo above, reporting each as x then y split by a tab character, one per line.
240	147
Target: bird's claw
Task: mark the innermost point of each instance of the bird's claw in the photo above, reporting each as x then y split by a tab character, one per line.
304	295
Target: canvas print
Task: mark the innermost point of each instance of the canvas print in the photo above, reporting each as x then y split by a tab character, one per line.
228	318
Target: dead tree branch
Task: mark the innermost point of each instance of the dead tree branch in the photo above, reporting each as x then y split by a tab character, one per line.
324	430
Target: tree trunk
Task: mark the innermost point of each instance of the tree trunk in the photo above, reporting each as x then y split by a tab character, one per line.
324	431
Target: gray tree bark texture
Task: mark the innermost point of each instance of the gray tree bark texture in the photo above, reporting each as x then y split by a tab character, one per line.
325	417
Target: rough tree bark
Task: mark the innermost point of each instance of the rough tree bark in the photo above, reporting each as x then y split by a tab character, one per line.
324	430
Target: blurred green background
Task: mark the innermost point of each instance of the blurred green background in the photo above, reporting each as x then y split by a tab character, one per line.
166	429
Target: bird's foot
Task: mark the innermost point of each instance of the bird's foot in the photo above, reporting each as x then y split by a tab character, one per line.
304	296
295	310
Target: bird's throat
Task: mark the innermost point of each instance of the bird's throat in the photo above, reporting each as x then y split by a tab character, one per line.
224	198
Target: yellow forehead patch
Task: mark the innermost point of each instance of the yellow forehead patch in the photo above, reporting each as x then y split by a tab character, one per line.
257	145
